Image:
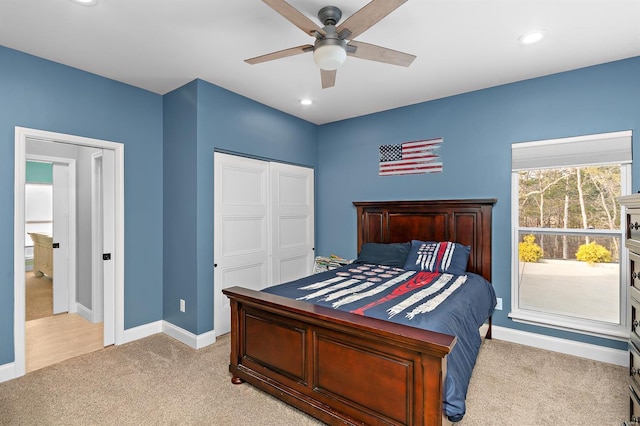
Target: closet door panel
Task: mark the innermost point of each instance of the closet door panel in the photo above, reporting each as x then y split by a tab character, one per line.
241	230
292	210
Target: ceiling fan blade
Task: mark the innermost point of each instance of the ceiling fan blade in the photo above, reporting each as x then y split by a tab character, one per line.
328	78
280	54
366	17
380	54
294	16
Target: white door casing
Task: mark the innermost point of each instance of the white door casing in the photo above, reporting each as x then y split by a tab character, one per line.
292	219
241	230
61	227
113	329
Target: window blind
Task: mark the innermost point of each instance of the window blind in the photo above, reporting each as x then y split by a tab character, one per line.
604	148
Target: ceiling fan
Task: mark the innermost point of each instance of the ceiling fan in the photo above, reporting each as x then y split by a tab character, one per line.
331	48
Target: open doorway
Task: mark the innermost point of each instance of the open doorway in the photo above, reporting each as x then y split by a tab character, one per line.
81	296
59	324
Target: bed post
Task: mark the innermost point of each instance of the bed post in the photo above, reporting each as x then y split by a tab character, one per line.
235	334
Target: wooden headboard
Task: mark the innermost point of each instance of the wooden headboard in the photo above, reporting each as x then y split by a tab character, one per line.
466	222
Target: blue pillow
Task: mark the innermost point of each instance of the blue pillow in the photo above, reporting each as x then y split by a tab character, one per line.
392	254
439	257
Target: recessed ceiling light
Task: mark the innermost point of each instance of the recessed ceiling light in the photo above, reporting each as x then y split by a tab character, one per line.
86	2
532	37
306	102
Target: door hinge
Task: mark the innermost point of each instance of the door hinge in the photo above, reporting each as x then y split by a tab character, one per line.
56	245
106	256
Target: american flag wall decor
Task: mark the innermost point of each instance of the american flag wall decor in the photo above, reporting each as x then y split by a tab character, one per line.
410	158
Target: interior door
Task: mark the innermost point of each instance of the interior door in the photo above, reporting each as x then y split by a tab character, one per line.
60	238
292	213
241	230
109	242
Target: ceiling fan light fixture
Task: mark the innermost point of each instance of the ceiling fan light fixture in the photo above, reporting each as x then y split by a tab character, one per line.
330	54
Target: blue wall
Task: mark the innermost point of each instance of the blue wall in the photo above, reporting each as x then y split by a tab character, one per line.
478	129
180	203
44	95
169	185
201	118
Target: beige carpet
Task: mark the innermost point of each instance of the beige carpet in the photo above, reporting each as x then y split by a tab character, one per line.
519	385
160	381
38	297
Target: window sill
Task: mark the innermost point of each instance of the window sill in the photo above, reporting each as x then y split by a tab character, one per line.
574	325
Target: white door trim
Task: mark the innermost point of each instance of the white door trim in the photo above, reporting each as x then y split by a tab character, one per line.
108	243
21	136
71	239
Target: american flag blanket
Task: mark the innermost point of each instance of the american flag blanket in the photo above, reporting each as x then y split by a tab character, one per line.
452	304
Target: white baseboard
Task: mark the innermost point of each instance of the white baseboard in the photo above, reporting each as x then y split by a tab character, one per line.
84	312
555	344
142	331
188	338
180	334
7	372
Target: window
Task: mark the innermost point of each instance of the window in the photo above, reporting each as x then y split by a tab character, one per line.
567	235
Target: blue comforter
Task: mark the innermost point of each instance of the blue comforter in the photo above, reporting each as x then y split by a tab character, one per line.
452	304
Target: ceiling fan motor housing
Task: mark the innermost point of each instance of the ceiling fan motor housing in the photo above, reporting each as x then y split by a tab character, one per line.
329	15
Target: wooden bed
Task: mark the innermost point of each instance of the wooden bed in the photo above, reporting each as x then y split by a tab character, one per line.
42	254
324	361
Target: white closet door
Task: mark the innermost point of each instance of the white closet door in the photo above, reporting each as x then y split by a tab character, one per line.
292	219
241	230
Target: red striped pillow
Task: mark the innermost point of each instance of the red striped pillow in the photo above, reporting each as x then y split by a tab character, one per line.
441	257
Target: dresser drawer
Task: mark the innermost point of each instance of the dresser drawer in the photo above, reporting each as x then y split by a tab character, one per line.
634	405
635	323
633	230
634	275
634	365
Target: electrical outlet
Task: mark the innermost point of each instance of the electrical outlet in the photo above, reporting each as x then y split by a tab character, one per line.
499	304
182	306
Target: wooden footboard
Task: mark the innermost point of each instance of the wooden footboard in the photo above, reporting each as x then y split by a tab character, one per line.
339	367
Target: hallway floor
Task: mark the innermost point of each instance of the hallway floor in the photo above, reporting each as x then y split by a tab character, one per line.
53	339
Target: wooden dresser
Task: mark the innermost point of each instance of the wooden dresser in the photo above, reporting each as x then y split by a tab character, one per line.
632	241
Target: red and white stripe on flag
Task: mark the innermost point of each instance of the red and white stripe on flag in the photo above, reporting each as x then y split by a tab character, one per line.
410	158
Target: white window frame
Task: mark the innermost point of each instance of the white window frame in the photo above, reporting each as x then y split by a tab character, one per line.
545	154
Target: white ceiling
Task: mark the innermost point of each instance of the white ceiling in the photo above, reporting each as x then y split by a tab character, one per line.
461	45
